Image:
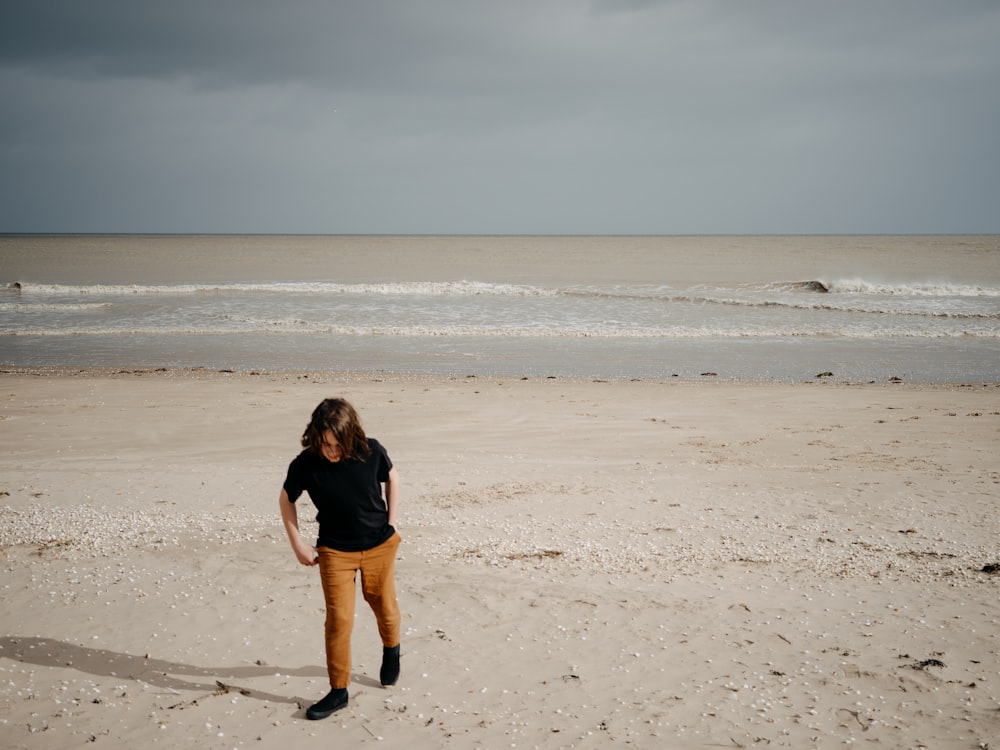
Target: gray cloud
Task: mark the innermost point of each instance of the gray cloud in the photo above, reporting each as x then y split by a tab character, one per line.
448	116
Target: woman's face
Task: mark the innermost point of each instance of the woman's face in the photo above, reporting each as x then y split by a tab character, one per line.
331	448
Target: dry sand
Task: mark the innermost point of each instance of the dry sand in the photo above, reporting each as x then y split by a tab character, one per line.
585	564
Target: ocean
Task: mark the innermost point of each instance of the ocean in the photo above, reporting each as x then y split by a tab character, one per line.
924	309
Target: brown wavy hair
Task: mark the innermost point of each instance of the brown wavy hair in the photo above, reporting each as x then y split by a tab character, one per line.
338	416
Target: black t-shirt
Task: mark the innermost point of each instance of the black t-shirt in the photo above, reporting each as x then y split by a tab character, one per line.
352	513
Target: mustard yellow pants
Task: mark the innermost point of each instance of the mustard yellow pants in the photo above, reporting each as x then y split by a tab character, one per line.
338	572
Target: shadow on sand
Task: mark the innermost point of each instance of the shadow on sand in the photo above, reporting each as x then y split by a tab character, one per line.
47	652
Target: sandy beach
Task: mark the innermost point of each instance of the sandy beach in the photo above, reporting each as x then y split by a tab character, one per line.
650	564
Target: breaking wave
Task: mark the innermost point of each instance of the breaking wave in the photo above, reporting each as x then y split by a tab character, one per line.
913	289
429	288
479	288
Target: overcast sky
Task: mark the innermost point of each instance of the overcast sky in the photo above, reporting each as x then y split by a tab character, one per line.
500	116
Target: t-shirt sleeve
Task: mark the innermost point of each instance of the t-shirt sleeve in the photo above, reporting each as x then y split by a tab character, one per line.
293	480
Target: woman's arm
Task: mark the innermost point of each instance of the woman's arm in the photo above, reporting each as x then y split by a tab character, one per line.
305	553
392	496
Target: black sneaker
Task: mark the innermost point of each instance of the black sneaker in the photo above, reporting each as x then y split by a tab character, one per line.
390	666
334	701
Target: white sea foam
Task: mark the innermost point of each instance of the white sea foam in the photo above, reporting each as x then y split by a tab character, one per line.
935	308
466	288
52	307
508	332
426	288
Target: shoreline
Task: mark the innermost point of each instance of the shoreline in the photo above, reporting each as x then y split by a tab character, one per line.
359	376
584	564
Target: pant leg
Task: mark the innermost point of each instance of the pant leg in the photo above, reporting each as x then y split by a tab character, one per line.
337	572
378	584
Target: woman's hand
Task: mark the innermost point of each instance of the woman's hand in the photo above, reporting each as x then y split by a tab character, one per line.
306	555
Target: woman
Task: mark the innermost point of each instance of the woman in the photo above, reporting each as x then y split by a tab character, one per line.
342	470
